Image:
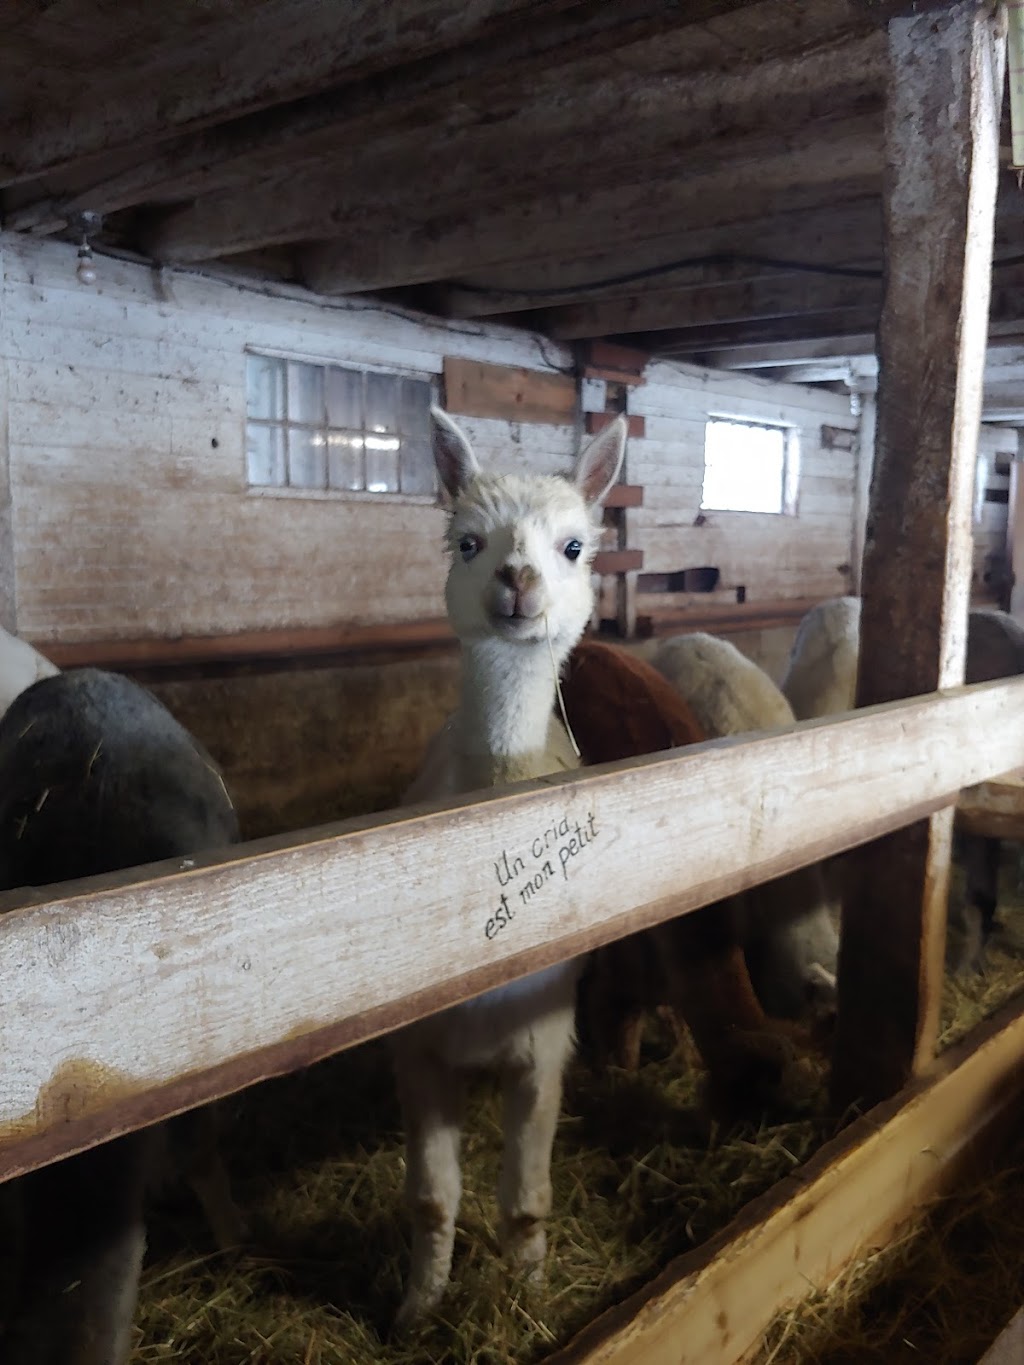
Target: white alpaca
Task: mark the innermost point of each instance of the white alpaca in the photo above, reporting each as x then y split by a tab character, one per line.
821	678
519	595
20	667
789	926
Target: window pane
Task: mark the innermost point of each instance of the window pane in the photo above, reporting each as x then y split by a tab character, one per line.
345	398
417	465
414	408
382	397
264	456
744	467
345	457
264	386
305	393
307	459
381	463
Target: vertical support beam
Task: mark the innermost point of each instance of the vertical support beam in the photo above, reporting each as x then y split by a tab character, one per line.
945	84
862	485
8	593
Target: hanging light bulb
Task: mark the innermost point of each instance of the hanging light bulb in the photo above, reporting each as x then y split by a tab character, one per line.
87	224
86	269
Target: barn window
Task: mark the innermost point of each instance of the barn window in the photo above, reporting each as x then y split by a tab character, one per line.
325	428
750	466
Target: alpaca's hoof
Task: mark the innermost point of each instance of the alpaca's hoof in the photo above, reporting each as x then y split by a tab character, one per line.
416	1305
525	1242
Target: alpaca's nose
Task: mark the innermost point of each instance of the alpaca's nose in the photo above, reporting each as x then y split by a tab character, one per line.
519	578
520	593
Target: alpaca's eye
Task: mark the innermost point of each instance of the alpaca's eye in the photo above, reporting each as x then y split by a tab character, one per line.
573	549
470	547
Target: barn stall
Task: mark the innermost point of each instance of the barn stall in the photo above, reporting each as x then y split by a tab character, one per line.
182	503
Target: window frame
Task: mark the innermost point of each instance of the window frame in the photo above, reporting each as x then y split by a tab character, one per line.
349	495
791	464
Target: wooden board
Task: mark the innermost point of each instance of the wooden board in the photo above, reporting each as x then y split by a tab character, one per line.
712	1306
618	561
625	495
1008	1347
121	1004
517	395
353	644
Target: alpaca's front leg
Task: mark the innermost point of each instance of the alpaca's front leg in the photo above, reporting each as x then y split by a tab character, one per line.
431	1099
533	1098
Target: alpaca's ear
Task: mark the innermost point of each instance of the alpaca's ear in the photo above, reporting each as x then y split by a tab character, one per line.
597	465
453	455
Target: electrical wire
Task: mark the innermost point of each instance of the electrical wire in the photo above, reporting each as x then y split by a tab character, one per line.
716	258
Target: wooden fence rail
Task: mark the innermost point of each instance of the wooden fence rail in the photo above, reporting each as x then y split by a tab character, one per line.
129	998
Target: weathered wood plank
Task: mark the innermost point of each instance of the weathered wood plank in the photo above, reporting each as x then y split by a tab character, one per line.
618	561
503	151
343	145
715	1303
508	392
779	296
849	233
625	495
842	163
1008	1347
276	50
942	140
125	1003
8	590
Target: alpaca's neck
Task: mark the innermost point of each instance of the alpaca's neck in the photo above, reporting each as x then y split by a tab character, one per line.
505	711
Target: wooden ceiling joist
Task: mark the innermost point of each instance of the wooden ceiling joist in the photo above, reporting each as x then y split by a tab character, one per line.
782	296
535	150
556	225
661	170
848	232
227	63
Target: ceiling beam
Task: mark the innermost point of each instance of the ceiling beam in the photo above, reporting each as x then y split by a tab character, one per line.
761	345
249	59
848	233
556	225
685	126
782	296
561	58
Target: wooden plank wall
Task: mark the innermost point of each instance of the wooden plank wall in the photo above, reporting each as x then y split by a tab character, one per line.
130	516
773	557
997	447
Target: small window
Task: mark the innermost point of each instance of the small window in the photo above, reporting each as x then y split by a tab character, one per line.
750	467
329	429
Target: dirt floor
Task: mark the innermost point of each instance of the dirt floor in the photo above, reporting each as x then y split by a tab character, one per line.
317	1162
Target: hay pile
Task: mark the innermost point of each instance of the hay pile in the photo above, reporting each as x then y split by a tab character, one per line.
318	1166
317	1163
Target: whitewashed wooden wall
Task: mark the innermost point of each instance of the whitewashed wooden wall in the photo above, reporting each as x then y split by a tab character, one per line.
774	557
997	447
128	511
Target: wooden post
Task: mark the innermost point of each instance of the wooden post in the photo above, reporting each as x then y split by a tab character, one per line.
945	85
8	594
862	484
